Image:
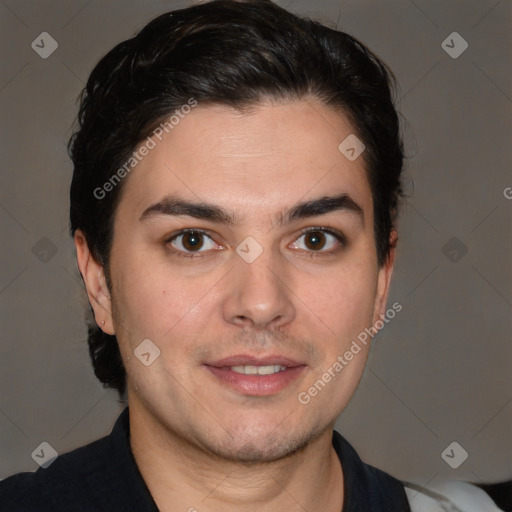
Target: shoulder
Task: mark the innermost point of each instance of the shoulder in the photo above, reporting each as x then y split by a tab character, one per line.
367	487
101	476
67	481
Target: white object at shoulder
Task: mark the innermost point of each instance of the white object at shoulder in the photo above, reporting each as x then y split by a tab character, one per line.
449	496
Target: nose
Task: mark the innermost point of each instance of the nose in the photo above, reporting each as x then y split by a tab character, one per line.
259	294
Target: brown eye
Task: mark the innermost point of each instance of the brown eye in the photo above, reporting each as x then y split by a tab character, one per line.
321	241
192	241
314	240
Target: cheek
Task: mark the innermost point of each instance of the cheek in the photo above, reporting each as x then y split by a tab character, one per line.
152	301
343	301
166	311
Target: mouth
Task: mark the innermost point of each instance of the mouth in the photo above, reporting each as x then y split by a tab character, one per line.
253	376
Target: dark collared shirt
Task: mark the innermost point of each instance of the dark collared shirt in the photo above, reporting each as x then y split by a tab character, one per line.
103	476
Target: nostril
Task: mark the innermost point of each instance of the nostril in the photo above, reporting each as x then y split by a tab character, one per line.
244	321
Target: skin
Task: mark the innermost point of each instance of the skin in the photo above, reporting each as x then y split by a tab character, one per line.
199	444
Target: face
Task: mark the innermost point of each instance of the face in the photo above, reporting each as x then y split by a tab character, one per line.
244	249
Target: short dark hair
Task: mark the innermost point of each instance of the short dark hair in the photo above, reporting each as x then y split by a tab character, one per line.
233	53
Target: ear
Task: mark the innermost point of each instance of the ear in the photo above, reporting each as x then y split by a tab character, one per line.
384	278
95	283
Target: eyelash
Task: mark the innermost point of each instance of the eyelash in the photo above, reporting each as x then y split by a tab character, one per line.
197	254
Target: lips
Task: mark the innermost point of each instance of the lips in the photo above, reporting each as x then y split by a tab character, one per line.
256	376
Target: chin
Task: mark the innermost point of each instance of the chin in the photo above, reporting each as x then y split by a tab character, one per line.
261	445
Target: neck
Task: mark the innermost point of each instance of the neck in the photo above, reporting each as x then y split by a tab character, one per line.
182	476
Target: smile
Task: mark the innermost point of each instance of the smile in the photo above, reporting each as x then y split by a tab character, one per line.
250	375
257	370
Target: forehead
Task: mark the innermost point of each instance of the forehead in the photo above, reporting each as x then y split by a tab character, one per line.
264	159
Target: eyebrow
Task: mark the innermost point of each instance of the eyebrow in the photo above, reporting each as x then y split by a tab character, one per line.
177	206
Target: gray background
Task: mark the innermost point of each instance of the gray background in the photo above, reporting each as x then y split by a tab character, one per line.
438	373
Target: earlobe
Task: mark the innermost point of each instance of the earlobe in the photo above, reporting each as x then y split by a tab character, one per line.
95	282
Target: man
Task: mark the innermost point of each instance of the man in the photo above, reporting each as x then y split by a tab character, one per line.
233	205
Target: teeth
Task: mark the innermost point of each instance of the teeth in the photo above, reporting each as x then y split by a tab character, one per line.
258	370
